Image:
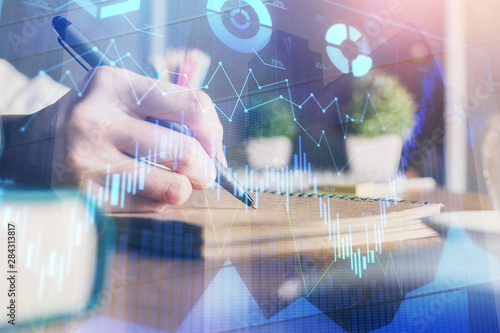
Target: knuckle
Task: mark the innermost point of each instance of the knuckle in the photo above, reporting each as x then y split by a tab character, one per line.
83	119
190	152
196	101
105	72
79	114
215	126
110	81
202	98
100	75
176	189
219	132
187	161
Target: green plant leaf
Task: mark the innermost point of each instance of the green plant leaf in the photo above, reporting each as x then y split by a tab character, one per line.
271	120
389	110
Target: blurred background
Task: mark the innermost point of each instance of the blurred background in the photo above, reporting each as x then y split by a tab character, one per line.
442	53
392	99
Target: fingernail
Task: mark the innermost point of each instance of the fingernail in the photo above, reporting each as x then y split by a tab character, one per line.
213	172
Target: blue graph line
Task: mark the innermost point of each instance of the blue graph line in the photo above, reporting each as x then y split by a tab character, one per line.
220	67
54	9
270	65
141	30
120	8
106	11
66	75
42	72
353	155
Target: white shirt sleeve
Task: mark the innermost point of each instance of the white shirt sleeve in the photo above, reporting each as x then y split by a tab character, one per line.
22	95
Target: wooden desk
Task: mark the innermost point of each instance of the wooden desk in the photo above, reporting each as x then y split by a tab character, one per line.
452	201
150	290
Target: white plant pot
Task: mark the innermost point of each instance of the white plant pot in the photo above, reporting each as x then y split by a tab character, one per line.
374	158
275	152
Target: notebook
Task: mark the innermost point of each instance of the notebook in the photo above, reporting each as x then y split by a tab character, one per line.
294	223
59	256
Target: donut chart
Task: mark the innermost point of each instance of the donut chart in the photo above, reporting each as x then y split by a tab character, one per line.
245	28
335	37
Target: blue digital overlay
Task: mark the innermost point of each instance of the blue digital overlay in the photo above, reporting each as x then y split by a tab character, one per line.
335	37
241	20
109	10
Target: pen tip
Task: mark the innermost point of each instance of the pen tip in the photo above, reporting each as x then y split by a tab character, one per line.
253	206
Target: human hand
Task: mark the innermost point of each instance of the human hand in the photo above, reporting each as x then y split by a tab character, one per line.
98	134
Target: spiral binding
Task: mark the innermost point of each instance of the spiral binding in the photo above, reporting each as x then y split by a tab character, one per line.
346	197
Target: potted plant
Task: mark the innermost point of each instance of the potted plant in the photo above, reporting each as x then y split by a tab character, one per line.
270	129
380	116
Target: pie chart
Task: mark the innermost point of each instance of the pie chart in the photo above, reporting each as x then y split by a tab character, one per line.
348	50
244	26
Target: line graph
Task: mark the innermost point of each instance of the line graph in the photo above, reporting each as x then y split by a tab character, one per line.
43	5
275	63
296	104
130	182
344	120
102	9
148	29
238	93
119	185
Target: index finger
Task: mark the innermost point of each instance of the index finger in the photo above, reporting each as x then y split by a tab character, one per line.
146	97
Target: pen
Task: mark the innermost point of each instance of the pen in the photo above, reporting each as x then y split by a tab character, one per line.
72	38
